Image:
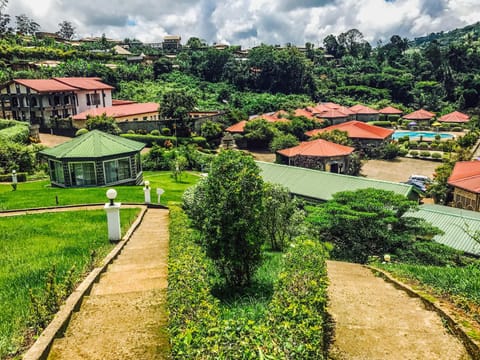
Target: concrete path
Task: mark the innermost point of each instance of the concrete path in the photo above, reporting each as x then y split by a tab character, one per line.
125	315
374	320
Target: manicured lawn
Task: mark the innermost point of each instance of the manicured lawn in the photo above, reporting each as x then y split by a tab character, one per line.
41	194
30	245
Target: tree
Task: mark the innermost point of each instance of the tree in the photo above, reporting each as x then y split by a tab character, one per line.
103	123
283	141
230	222
25	25
66	31
194	43
176	104
162	66
259	133
332	47
368	222
336	136
282	219
4	19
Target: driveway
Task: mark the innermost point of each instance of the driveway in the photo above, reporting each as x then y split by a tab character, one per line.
398	170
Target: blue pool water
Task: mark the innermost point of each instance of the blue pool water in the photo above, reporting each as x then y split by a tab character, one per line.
417	134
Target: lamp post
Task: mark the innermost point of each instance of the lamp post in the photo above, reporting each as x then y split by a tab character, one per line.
146	191
14	180
113	216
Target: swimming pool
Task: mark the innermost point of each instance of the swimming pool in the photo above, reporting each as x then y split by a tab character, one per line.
430	135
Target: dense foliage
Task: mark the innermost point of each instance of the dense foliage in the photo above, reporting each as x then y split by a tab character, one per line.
293	325
368	222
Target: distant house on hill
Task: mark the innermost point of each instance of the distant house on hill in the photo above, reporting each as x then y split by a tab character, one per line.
42	101
465	180
95	159
364	113
171	43
317	154
390	110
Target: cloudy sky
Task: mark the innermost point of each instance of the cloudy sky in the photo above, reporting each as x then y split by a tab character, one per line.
250	22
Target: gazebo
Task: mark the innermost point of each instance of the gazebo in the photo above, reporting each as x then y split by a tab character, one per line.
422	117
454	117
95	159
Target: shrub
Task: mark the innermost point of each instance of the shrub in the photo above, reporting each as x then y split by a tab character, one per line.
457	129
390	151
414	153
402	152
430	253
155	132
81	132
423	145
282	141
17	133
434	145
413	144
436	155
131	131
424	153
166	131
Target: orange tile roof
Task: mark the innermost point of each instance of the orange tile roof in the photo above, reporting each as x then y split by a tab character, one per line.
455	117
421	114
319	148
237	128
466	175
333	114
84	83
303	112
119	110
44	85
390	110
362	109
330	105
356	130
116	102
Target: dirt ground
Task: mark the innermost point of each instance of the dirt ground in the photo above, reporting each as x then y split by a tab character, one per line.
376	321
398	170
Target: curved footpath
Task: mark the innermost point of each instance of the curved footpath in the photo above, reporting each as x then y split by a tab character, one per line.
376	321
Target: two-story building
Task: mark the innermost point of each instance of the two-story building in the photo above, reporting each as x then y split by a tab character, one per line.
43	101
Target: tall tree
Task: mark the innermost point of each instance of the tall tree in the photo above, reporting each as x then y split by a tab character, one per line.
177	104
66	31
25	25
232	209
4	19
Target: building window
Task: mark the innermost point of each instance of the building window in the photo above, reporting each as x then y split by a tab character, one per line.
93	99
82	174
56	171
66	100
56	100
117	170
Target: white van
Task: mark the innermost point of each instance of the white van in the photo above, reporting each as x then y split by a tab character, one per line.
420	178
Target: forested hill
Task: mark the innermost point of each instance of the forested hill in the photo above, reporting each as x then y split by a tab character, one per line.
445	38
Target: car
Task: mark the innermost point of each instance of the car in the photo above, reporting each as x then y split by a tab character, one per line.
420	178
417	184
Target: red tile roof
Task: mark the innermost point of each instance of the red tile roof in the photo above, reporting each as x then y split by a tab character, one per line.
119	110
420	115
356	130
333	114
390	110
466	175
319	148
92	83
362	109
238	127
116	102
455	117
44	85
303	112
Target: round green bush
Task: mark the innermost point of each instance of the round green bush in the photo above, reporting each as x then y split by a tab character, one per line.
457	129
414	153
423	145
81	132
166	131
130	131
425	154
155	132
436	155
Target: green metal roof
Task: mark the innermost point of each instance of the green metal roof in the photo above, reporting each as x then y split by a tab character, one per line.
94	144
321	185
453	222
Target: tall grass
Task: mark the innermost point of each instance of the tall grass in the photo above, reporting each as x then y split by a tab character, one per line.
462	282
41	194
30	245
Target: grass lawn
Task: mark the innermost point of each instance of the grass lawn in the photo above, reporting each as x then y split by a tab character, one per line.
30	245
41	194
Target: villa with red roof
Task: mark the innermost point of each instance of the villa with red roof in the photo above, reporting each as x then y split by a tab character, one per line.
318	154
367	138
390	110
454	117
465	180
126	112
421	117
364	113
42	101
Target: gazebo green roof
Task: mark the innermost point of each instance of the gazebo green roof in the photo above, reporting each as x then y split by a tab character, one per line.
94	144
321	185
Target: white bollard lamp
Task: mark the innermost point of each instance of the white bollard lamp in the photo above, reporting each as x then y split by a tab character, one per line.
113	216
146	192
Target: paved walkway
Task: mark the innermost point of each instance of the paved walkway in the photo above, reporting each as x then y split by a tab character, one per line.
376	321
125	316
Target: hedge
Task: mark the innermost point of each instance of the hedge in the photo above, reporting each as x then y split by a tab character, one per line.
4	123
386	124
295	325
150	139
16	133
21	177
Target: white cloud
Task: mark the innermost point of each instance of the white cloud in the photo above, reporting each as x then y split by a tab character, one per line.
250	22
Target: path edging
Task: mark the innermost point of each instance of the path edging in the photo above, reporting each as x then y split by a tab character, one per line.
41	348
472	346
